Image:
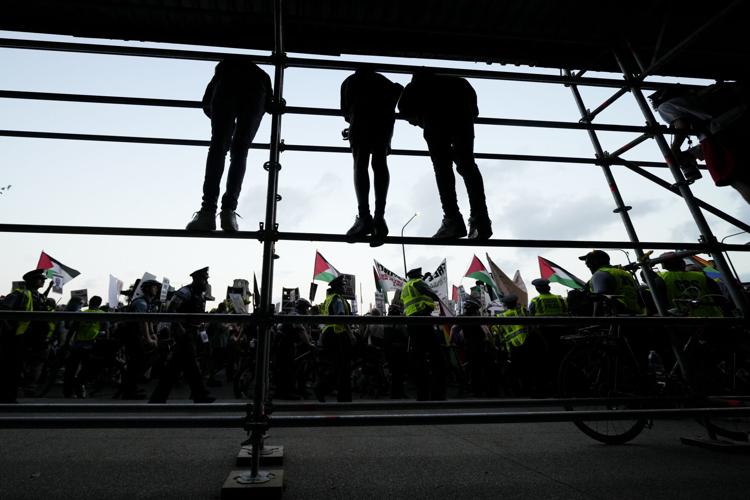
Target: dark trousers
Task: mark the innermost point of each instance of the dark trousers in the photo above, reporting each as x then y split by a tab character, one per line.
136	364
449	142
182	360
78	367
398	361
429	362
335	365
12	354
235	118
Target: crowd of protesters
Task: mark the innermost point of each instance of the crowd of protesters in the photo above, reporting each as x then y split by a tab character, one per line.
86	355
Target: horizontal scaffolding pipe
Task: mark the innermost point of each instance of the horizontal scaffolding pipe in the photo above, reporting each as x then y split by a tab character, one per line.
305	148
312	63
310	111
410	240
314	406
228	421
255	319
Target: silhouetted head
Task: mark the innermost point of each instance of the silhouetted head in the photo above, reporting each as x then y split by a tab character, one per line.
510	301
95	302
200	278
672	262
595	259
414	273
34	279
541	285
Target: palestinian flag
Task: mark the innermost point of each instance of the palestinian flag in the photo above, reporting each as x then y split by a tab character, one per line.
556	274
705	266
56	270
323	271
478	272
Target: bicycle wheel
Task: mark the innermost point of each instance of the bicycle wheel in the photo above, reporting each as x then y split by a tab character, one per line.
602	371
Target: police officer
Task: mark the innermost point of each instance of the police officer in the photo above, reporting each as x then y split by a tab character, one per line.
525	370
368	103
608	280
138	338
476	341
292	340
336	346
396	340
546	303
675	283
79	365
14	334
419	300
188	299
446	107
235	100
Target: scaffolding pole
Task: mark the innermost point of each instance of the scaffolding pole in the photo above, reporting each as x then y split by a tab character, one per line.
621	209
735	291
256	420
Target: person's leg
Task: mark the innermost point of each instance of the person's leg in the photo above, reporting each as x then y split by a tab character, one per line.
466	166
189	365
438	143
343	368
361	156
250	110
222	126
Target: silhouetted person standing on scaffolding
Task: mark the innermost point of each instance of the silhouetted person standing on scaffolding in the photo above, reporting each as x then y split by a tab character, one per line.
235	101
368	103
446	107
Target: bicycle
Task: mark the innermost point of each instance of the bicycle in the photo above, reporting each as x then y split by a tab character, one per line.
603	364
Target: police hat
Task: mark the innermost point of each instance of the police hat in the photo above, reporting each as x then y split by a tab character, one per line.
36	273
414	273
595	256
509	299
540	282
200	272
149	283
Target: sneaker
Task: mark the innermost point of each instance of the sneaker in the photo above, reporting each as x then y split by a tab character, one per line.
203	220
379	232
228	220
452	227
480	228
361	228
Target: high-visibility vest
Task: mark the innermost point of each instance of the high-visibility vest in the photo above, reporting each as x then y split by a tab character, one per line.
514	335
325	311
690	285
414	300
548	304
625	287
88	330
28	306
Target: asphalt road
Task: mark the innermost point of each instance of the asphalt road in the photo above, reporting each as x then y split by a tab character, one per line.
460	461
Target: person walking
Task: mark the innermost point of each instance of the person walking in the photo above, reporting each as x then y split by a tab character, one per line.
188	299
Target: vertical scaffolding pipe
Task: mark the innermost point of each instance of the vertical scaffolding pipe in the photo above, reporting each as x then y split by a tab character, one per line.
269	248
622	209
735	292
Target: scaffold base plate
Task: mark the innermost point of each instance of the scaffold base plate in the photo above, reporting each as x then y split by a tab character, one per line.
240	486
270	455
718	444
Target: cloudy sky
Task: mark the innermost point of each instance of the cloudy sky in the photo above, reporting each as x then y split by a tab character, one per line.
110	184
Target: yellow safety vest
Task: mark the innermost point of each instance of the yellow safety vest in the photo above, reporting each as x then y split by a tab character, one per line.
324	310
690	285
29	306
514	335
548	304
626	287
414	300
88	330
